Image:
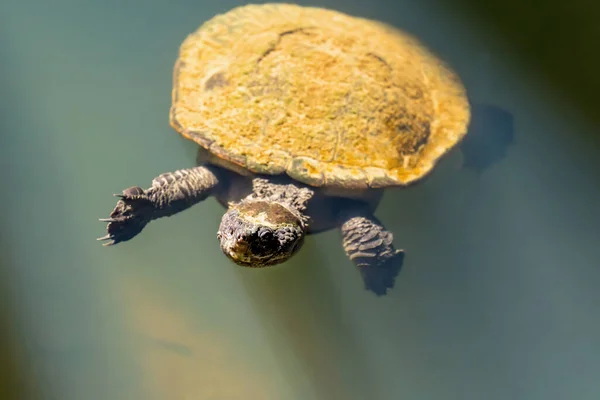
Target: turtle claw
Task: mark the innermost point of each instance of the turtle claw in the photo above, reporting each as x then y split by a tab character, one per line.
107	237
133	211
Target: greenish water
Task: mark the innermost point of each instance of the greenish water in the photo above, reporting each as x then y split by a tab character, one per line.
497	298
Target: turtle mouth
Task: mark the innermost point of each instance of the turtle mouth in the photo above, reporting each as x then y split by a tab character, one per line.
243	253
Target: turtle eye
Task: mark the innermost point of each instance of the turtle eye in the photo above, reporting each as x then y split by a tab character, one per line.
265	235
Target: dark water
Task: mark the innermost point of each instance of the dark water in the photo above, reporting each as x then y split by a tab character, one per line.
497	298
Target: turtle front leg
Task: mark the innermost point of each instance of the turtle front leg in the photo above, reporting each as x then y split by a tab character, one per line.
369	245
169	194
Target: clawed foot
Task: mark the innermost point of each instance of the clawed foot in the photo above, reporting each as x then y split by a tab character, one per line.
132	212
380	278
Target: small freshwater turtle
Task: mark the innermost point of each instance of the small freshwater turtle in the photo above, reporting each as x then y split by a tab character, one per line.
303	116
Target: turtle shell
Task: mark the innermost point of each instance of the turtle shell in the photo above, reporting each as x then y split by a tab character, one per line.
329	99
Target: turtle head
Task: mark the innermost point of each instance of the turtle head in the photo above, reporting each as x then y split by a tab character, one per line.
260	233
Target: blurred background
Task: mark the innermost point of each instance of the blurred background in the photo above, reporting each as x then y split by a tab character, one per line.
498	296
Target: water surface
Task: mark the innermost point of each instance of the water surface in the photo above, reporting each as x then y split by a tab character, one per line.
496	299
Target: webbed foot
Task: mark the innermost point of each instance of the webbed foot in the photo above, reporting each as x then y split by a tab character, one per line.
379	278
131	214
170	193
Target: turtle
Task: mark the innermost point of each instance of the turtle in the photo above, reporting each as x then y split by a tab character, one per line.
303	117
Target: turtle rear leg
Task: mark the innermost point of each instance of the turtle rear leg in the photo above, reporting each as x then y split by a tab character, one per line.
369	245
169	194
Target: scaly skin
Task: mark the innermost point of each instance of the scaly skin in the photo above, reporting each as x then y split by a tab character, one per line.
169	194
268	226
265	228
369	245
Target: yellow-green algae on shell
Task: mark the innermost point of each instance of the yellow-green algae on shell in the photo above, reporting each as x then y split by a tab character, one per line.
330	99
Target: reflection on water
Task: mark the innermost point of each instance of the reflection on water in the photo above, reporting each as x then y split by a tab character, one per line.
180	360
491	135
496	299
